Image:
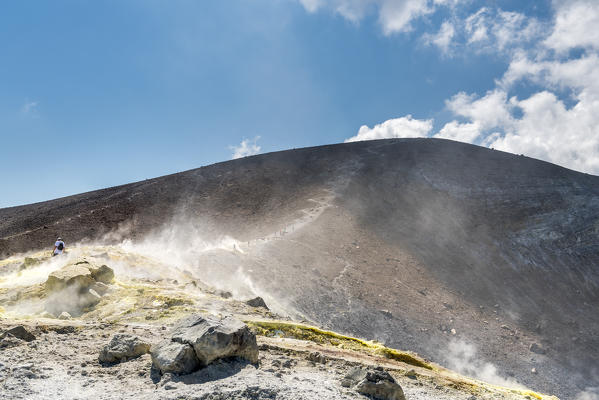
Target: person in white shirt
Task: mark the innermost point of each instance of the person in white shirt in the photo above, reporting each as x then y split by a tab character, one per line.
58	247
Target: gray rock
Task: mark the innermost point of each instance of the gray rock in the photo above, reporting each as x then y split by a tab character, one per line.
103	273
19	332
123	347
174	357
257	302
375	383
536	348
71	275
213	338
81	274
64	315
100	288
9	340
316	357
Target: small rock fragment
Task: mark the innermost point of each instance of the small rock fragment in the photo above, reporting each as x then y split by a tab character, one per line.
123	347
64	315
316	357
536	348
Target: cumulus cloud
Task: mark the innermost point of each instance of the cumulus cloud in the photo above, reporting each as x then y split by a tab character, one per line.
247	147
394	16
559	122
454	130
576	25
546	126
395	128
443	38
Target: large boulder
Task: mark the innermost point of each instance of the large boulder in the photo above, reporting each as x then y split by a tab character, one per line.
174	357
77	287
209	338
69	276
123	347
213	338
376	383
81	274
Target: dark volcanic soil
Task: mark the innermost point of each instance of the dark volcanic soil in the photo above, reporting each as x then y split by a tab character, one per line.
418	243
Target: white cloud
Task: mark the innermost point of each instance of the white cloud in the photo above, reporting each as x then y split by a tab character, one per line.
547	128
395	128
394	16
558	122
461	132
495	30
247	147
550	131
29	109
442	39
488	112
311	5
576	25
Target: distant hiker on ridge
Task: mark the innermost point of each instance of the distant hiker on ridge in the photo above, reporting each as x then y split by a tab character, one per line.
58	247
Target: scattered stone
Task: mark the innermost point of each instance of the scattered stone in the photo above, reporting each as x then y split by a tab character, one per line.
123	347
174	357
316	357
534	370
375	383
386	313
9	340
224	294
64	315
213	338
257	302
411	374
536	348
505	327
453	331
19	332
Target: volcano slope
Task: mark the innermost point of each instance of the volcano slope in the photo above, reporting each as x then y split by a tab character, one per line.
480	260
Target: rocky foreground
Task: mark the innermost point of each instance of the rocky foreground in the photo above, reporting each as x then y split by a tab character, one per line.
109	324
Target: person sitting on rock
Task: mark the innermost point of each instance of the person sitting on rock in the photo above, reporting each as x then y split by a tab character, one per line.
58	247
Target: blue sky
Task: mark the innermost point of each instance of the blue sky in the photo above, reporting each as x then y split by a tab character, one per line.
101	93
